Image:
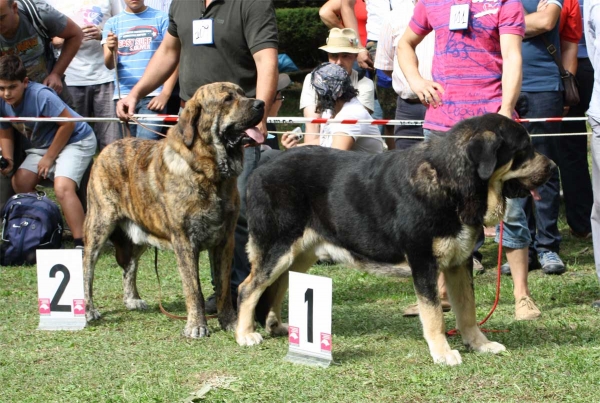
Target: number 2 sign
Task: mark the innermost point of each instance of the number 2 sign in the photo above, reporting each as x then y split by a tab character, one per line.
309	319
61	303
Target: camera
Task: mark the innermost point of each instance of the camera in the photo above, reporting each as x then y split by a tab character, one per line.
299	134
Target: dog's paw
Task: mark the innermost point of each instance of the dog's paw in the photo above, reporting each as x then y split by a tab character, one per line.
249	339
136	304
196	332
277	329
92	314
490	347
452	357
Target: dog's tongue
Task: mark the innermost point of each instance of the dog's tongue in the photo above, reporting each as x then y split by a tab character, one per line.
255	135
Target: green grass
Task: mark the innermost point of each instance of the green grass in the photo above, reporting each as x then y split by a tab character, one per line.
379	355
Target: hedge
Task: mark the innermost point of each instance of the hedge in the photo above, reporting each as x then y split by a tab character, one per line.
301	32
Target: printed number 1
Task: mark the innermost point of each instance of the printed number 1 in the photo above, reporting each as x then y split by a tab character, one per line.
308	297
54	304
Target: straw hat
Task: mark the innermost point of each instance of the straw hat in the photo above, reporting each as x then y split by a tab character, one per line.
342	41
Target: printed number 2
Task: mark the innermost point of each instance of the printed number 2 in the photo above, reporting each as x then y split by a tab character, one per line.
54	304
308	297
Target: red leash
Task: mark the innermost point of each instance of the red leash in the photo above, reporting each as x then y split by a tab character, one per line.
455	331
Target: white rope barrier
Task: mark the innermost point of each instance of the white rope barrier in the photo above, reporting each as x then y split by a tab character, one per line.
288	120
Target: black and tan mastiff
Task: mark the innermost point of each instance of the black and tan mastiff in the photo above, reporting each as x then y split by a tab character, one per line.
425	205
178	193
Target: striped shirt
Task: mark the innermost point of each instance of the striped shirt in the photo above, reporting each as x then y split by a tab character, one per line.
139	35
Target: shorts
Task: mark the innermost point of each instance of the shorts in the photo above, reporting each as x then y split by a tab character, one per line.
71	162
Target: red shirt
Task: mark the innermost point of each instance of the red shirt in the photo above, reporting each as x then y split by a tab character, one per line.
360	10
570	27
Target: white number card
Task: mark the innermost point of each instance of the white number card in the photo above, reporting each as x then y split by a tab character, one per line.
61	302
309	319
459	17
203	32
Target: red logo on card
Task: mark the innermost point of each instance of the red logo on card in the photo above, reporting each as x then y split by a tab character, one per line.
294	335
44	306
78	307
325	342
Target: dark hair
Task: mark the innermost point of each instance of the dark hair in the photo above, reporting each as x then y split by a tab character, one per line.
11	68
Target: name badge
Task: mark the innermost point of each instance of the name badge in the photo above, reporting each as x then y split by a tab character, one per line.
202	31
459	17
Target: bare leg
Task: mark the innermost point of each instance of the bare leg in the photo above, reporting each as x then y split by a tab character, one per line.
66	194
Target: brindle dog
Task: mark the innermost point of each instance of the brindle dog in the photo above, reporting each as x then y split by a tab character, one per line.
179	193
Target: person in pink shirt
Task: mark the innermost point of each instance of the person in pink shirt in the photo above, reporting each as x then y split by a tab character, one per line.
476	70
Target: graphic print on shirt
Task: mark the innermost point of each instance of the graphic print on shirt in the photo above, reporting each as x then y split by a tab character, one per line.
89	16
31	52
137	39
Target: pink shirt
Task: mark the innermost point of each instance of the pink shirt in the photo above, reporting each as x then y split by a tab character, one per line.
467	63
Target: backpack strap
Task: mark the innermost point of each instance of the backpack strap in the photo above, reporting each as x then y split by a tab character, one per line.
31	12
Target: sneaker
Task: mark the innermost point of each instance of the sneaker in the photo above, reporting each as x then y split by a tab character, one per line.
478	267
210	305
79	247
525	309
551	263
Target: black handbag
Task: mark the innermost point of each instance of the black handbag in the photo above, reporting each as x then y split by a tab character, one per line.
571	92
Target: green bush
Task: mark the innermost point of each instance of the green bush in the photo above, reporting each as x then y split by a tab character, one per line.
301	32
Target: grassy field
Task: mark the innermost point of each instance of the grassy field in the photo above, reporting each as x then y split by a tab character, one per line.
379	355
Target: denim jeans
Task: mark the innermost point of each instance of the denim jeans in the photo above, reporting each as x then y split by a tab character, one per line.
516	233
141	108
543	225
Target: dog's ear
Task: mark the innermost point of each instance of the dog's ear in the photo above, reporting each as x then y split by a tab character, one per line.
482	151
188	121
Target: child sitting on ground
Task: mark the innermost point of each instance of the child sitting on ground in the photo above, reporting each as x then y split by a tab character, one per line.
60	151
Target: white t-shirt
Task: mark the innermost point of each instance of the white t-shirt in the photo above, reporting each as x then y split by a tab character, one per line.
87	67
365	87
353	110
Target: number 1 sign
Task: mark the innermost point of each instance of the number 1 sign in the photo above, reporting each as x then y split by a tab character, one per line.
310	319
60	289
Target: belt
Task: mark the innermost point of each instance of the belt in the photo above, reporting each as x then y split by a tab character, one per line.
182	103
412	100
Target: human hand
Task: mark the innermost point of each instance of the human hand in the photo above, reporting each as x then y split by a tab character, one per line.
159	102
44	166
126	107
6	166
91	32
289	140
542	5
57	42
364	60
429	92
111	42
54	81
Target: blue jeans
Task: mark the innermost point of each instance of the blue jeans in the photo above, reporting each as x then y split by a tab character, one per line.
516	233
543	225
141	108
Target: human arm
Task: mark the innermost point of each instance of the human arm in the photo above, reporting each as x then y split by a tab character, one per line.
266	81
72	36
329	13
161	66
429	92
512	72
159	102
342	141
61	138
110	46
312	129
541	21
349	21
7	145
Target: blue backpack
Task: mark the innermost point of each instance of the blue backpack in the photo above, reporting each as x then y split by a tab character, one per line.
30	221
